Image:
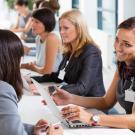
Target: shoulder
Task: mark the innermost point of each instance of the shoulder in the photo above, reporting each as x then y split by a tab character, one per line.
7	90
91	49
52	36
53	40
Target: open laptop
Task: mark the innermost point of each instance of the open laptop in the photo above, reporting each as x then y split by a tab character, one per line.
54	109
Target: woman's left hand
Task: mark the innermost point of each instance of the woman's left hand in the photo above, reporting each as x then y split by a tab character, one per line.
55	130
73	113
40	127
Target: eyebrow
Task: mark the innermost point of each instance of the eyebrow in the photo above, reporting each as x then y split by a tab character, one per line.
126	41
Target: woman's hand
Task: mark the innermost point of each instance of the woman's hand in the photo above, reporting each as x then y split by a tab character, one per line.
30	66
62	97
73	113
40	127
55	130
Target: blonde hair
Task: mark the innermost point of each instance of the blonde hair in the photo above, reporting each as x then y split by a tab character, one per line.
83	37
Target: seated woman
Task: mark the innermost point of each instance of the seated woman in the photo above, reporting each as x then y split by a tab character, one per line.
82	58
11	51
122	88
23	20
48	45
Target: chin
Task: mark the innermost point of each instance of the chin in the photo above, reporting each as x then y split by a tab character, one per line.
121	60
66	42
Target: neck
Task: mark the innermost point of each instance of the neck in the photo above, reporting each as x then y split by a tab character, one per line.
25	12
44	36
74	46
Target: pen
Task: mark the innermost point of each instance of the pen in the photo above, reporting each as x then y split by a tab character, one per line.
60	86
28	73
58	123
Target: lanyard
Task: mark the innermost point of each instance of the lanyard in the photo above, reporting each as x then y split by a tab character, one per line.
68	62
132	81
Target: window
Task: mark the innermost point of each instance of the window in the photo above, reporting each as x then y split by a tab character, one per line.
107	15
75	4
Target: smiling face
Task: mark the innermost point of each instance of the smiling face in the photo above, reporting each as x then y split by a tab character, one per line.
125	45
68	31
37	26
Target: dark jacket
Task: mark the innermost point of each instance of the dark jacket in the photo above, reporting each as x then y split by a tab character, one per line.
83	73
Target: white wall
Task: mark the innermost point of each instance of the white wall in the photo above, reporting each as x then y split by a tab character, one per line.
89	9
126	9
65	5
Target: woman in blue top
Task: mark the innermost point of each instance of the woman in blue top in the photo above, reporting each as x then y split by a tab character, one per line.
11	51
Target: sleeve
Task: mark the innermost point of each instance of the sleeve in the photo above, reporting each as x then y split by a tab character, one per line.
91	64
28	128
10	121
53	77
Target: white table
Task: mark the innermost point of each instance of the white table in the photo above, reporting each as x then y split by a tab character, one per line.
31	110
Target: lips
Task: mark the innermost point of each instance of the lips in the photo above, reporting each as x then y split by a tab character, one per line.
120	54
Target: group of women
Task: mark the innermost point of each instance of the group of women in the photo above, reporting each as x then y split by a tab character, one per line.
79	67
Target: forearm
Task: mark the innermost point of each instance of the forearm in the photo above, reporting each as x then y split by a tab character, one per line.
41	70
118	121
17	29
89	102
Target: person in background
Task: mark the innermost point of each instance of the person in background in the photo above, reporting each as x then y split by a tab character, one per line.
48	44
11	51
23	24
82	60
36	4
122	88
52	4
21	6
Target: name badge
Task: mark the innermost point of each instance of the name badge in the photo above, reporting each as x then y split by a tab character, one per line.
62	74
129	95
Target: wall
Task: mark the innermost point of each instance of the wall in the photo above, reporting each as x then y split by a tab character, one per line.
126	9
89	9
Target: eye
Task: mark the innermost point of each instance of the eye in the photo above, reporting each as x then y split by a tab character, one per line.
127	45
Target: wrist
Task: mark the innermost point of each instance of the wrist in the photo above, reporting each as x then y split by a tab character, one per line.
71	99
94	120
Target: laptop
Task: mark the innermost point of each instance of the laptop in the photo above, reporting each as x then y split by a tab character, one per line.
53	108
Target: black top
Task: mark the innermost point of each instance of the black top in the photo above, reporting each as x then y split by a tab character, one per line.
83	73
124	84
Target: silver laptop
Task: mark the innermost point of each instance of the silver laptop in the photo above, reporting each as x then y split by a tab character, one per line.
53	108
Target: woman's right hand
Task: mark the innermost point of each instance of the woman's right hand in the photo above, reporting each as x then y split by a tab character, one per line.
62	97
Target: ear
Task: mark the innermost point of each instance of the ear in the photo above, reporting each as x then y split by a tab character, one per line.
134	31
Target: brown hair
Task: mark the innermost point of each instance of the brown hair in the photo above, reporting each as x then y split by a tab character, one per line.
11	51
37	3
52	4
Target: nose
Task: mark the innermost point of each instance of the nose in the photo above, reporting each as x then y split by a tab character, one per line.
61	32
118	46
32	24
